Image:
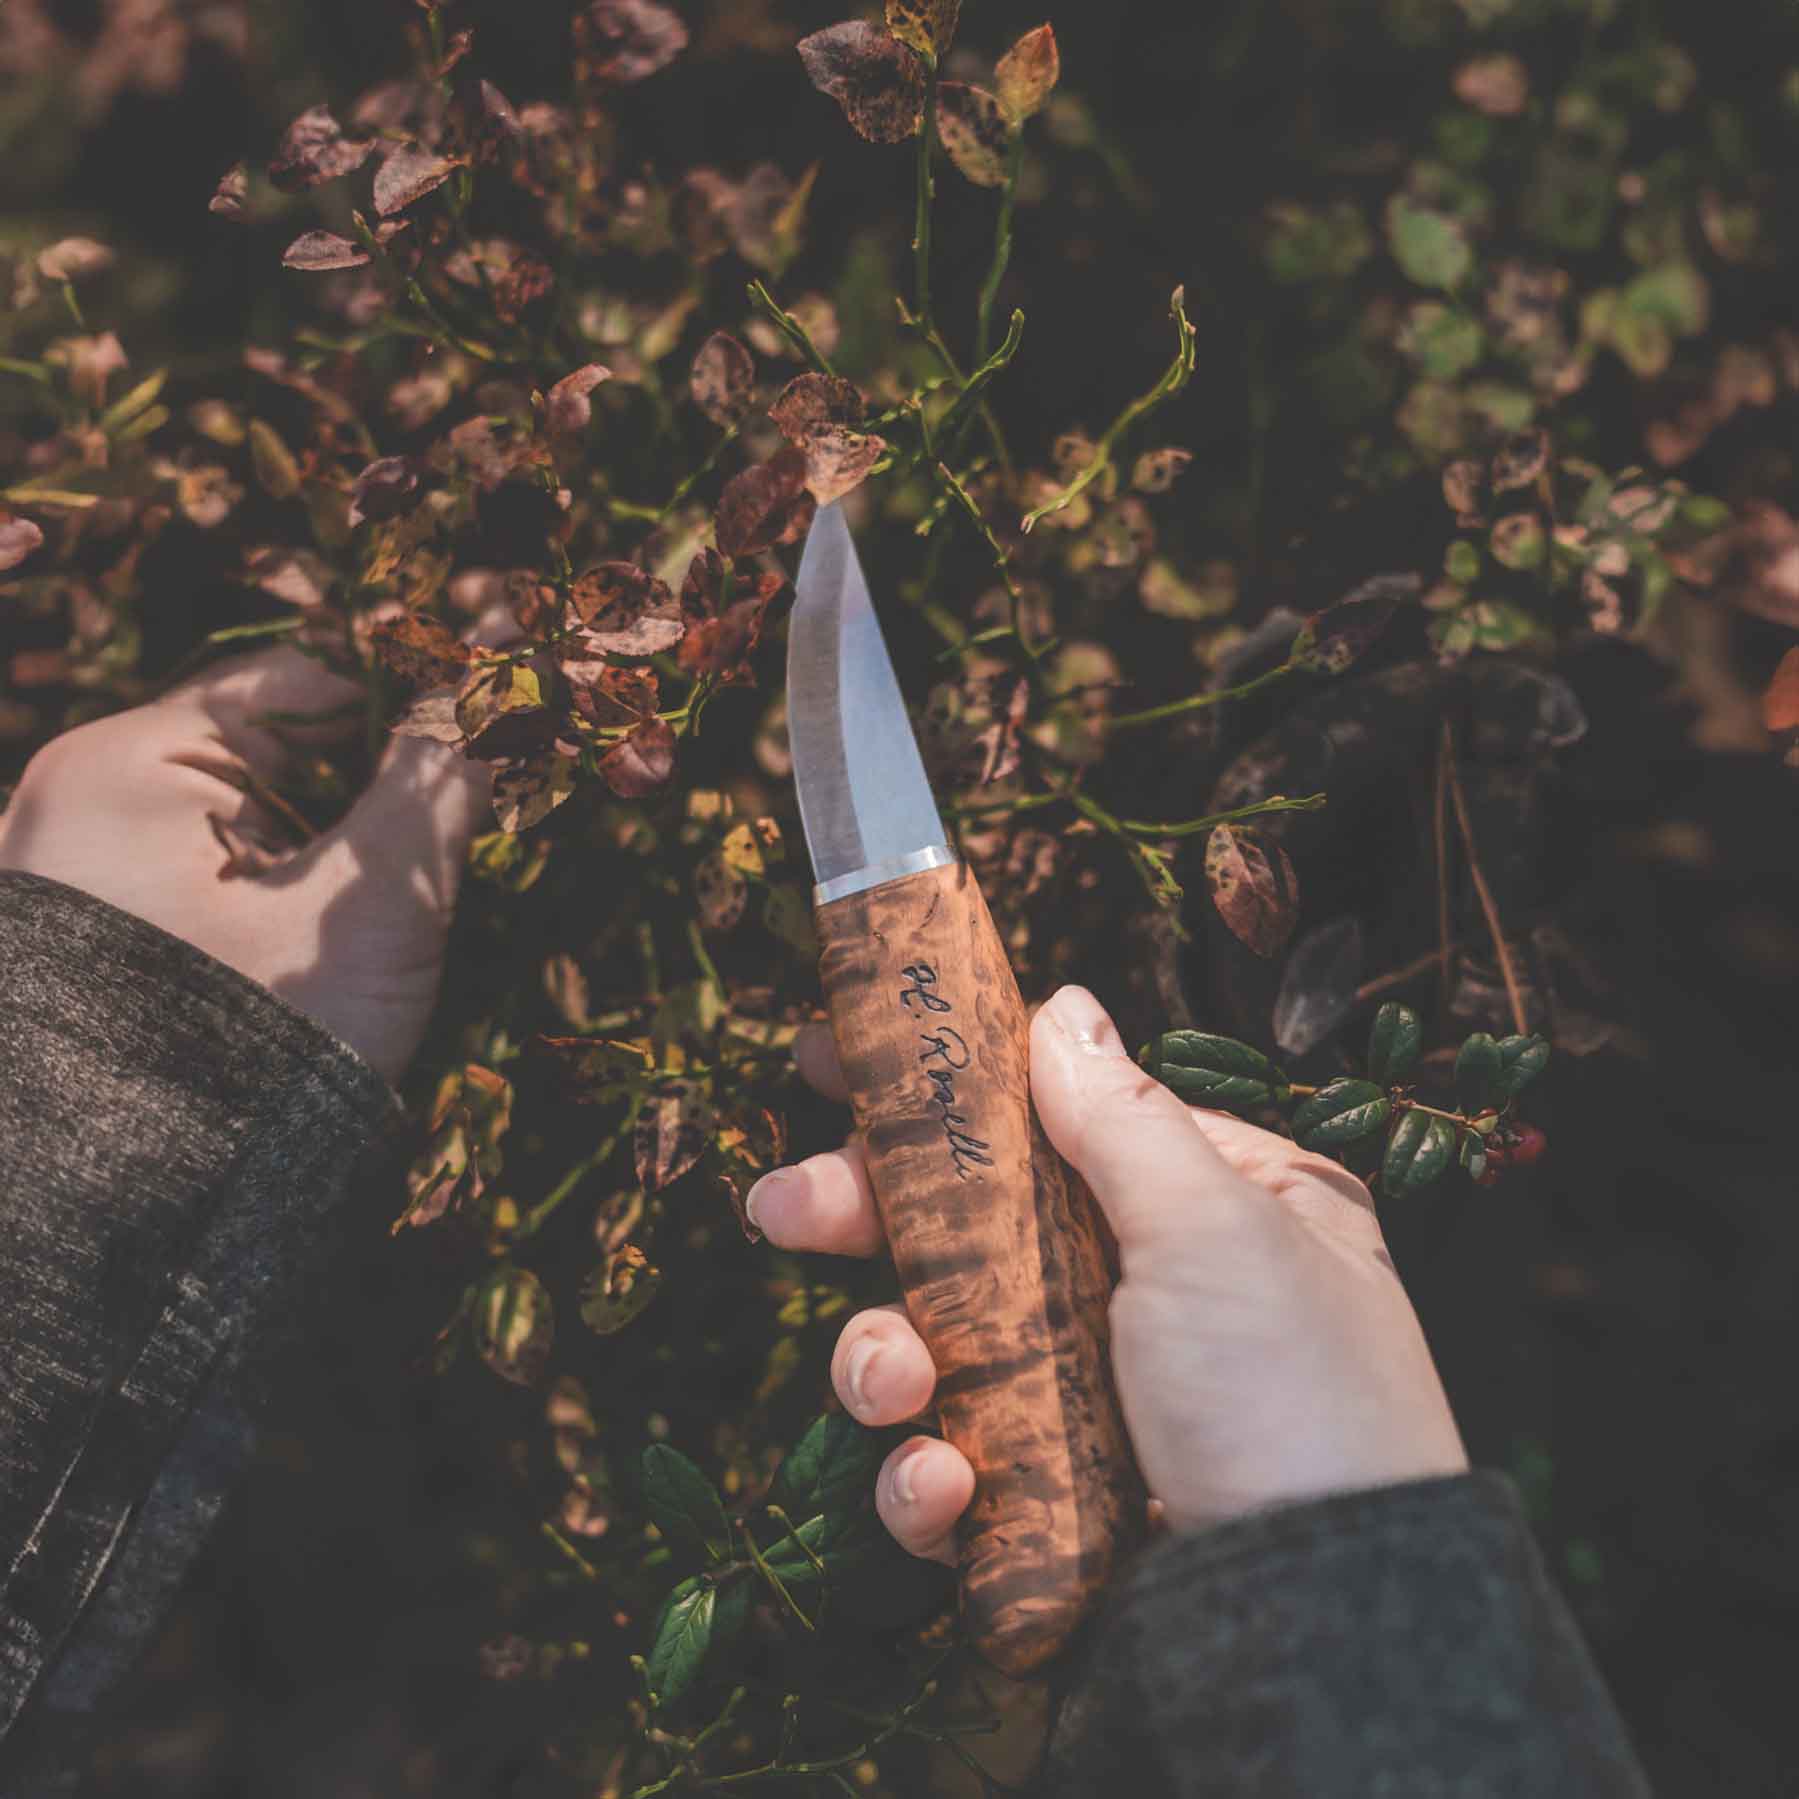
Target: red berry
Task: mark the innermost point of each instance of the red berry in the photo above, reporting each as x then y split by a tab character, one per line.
1528	1144
1487	1175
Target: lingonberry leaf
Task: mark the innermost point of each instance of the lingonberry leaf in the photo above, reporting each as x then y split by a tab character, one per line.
1419	1152
1028	72
624	611
683	1502
831	1466
637	765
973	128
928	26
723	379
1331	640
765	505
408	174
875	79
515	1325
1207	1070
1521	1060
1340	1113
621	41
1253	886
680	1638
1393	1043
314	150
1478	1072
674	1124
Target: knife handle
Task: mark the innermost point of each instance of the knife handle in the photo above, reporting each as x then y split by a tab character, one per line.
998	1250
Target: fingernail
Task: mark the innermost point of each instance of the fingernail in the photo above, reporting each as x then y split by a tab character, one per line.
855	1371
905	1479
756	1200
1080	1016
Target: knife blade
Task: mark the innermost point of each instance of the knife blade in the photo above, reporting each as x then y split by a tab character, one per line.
996	1242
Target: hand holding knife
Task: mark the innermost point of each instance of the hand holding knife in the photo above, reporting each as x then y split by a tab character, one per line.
997	1247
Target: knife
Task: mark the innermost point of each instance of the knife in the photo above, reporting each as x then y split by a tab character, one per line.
996	1242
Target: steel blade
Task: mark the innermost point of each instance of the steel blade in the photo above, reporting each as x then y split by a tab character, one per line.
864	800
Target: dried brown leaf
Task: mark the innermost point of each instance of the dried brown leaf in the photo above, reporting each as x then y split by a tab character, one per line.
1253	886
231	198
419	648
637	765
384	489
317	251
625	611
1157	470
723	379
619	41
314	150
875	79
809	403
18	538
974	131
409	173
671	1133
567	408
765	505
526	790
722	631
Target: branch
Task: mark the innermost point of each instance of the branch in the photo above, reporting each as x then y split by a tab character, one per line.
1487	903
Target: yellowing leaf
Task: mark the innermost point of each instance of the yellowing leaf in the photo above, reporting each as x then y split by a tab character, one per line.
927	26
1028	72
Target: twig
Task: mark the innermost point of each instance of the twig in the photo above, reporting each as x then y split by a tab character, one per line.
1002	247
789	327
1196	702
1174	378
1487	903
1383	983
921	224
1440	843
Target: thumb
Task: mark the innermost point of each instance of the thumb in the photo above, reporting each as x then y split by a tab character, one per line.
1130	1139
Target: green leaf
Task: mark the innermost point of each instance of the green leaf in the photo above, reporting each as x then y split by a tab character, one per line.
682	1634
1474	1156
126	408
1521	1060
1429	246
273	461
1443	340
682	1500
1477	1073
839	1539
1421	1147
1461	562
832	1465
1393	1043
1213	1071
1340	1113
1304	245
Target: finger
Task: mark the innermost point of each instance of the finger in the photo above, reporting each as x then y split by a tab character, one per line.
824	1204
1153	1174
924	1486
254	708
1311	1183
815	1055
881	1369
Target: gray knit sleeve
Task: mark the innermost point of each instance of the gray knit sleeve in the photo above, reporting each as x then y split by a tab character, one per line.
1404	1641
173	1142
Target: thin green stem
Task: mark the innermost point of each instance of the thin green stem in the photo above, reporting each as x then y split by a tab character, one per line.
789	327
1176	376
1002	248
921	225
1197	702
1194	827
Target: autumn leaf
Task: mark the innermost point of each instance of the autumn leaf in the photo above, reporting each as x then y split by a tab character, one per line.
528	789
1157	470
276	467
1331	640
973	129
314	150
809	403
928	26
567	408
723	379
1255	891
723	625
838	461
764	505
1498	85
624	611
18	538
317	251
496	690
231	198
419	648
605	694
1028	72
720	893
874	78
515	1325
673	1127
637	765
407	174
618	1289
621	41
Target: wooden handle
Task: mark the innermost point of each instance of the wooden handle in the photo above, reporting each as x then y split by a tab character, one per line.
998	1250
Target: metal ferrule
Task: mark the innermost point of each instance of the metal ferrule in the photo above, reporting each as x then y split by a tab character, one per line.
877	874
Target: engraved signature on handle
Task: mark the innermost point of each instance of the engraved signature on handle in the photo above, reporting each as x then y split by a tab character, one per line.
945	1055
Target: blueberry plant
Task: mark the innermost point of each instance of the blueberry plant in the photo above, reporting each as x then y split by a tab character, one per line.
1457	401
